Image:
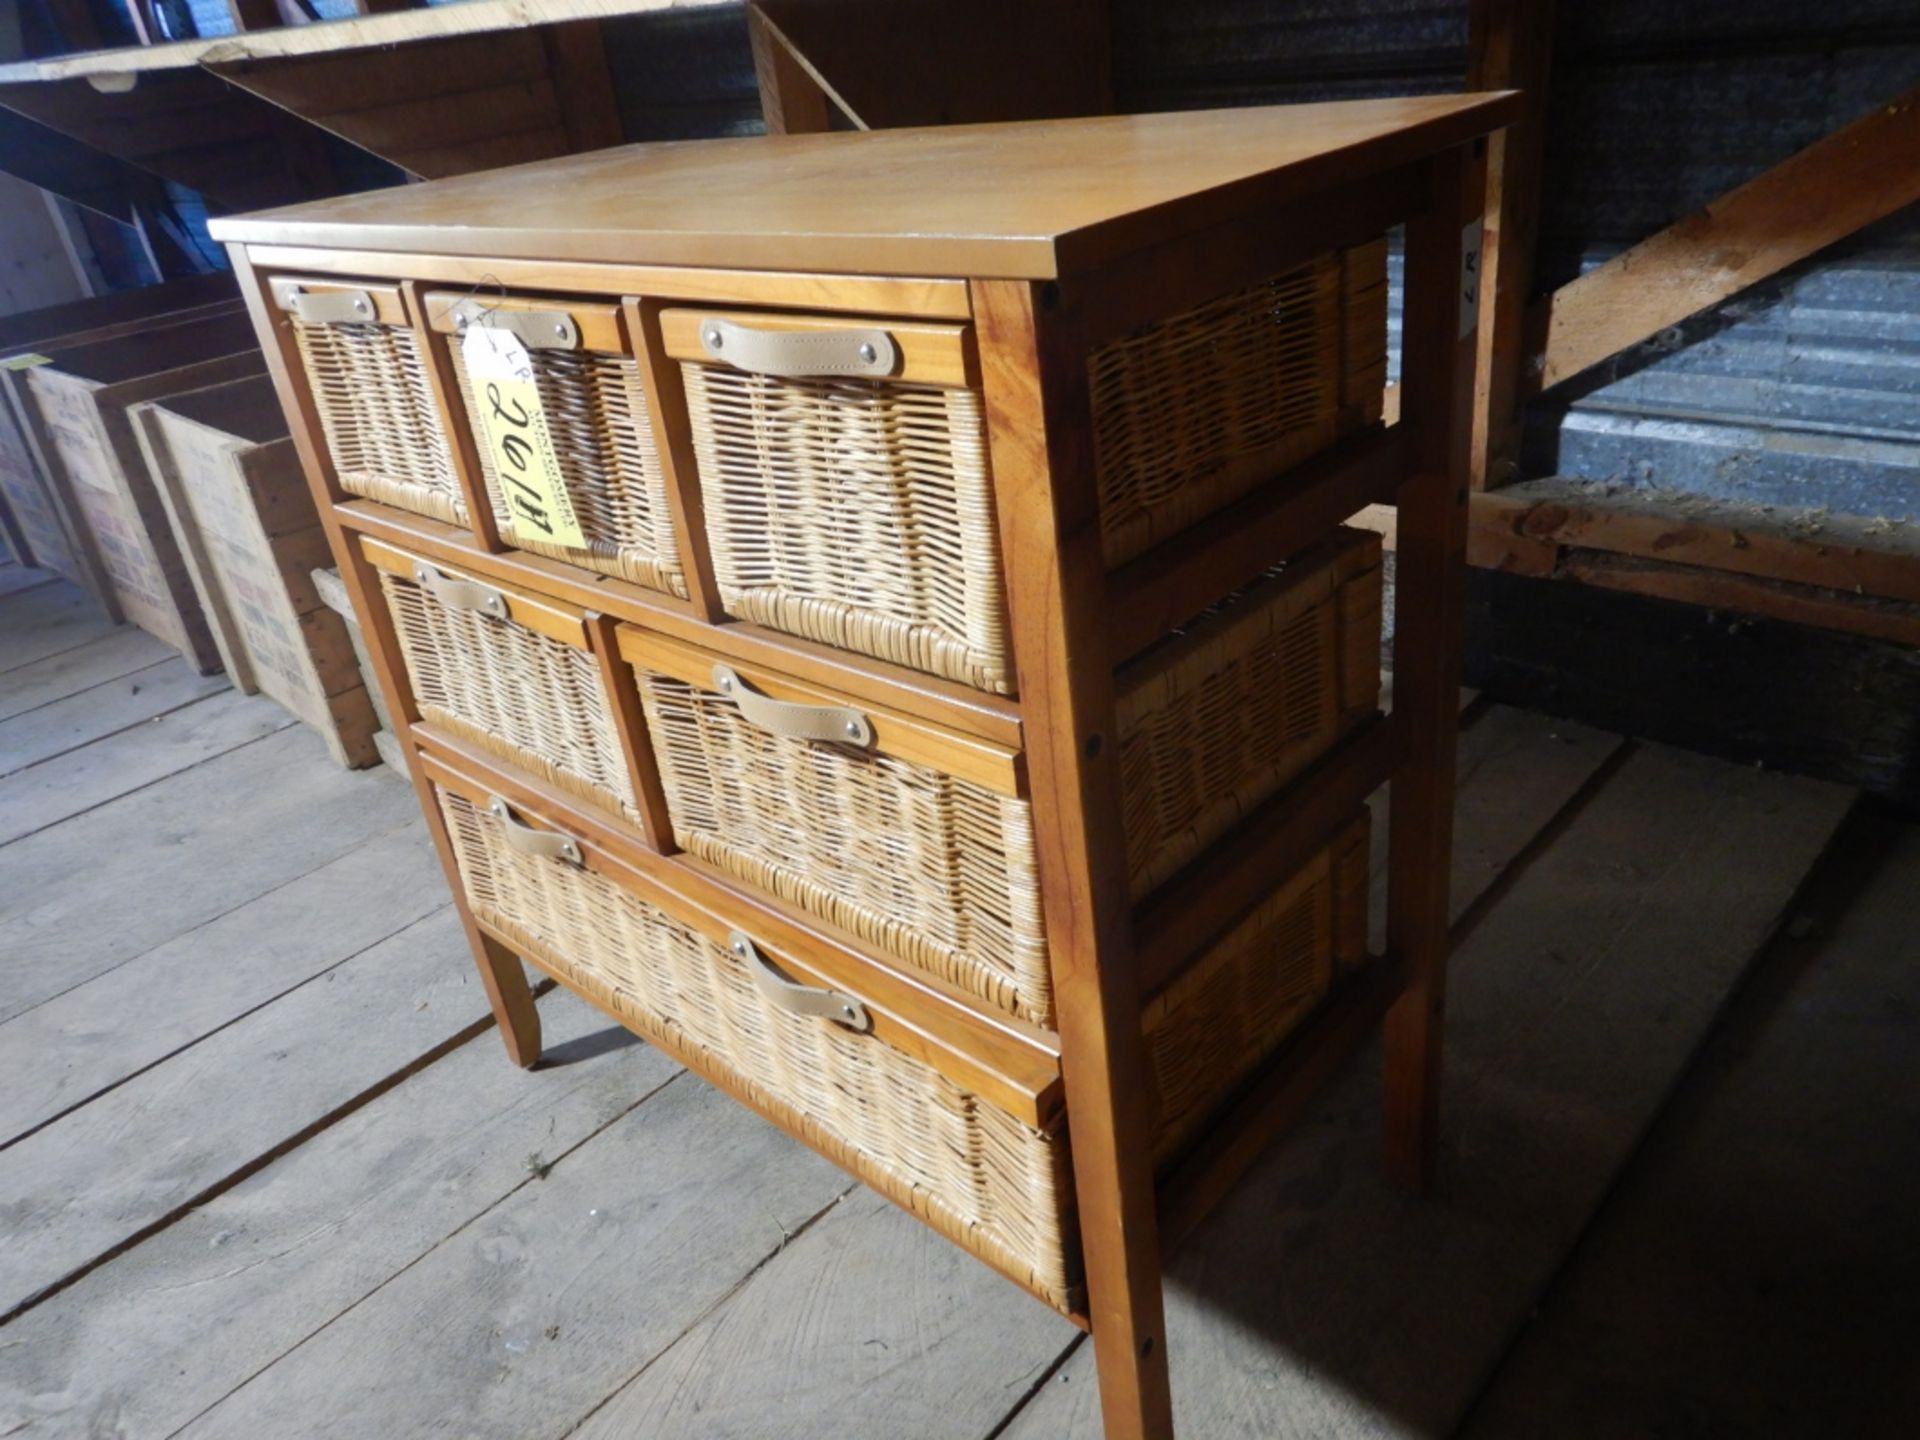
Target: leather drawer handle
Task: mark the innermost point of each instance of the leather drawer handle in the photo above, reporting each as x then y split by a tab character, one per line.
545	844
537	329
461	594
784	994
833	724
334	307
799	352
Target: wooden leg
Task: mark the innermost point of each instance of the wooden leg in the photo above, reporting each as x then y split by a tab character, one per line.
1033	369
505	978
501	971
1429	597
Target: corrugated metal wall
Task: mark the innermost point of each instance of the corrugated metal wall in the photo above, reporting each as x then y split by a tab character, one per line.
1803	392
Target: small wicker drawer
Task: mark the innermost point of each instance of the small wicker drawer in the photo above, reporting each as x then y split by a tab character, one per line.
596	410
1194	410
847	498
510	672
920	841
820	1061
370	387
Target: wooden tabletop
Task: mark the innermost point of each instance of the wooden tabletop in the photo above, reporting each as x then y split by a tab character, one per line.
1029	200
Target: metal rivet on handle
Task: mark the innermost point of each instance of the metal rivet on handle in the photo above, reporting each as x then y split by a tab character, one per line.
740	948
359	307
713	339
853	729
560	330
869	354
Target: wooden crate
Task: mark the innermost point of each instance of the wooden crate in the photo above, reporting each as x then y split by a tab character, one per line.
40	527
333	594
250	538
78	403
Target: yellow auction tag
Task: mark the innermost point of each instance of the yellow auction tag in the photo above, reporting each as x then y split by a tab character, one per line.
518	440
25	362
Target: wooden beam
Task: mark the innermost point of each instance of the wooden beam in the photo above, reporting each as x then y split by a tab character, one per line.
1509	47
1843	573
1848	554
1852	178
369	33
1895	620
890	63
792	98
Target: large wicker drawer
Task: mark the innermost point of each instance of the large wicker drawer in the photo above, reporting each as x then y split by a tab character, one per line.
596	411
696	985
857	1080
513	673
844	471
920	841
371	391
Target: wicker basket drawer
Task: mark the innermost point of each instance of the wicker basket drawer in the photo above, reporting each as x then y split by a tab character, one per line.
596	411
844	468
370	387
880	1090
1220	715
510	672
1211	1026
1196	409
706	992
920	841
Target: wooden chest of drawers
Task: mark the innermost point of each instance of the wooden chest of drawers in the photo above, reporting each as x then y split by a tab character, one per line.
870	613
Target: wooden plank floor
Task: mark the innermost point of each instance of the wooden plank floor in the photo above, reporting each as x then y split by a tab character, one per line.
264	1171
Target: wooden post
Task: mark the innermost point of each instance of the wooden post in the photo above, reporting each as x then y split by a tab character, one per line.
1033	369
1509	47
501	973
1441	329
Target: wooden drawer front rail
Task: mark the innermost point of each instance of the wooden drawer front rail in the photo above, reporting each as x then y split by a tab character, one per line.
369	378
511	672
591	393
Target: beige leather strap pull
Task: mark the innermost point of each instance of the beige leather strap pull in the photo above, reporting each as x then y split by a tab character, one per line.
546	844
799	352
461	594
797	999
835	724
537	329
334	307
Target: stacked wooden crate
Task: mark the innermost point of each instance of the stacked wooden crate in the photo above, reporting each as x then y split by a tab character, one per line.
77	405
45	532
927	690
240	511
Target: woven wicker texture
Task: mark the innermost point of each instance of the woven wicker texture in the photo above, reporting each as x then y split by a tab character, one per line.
857	513
383	431
522	696
1194	410
1214	1024
978	1175
941	872
936	870
1217	718
597	415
